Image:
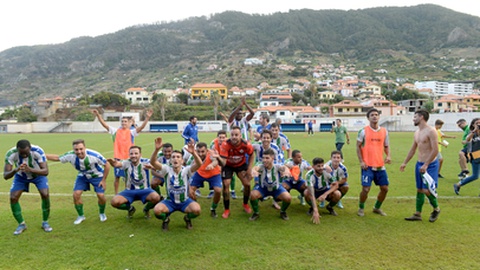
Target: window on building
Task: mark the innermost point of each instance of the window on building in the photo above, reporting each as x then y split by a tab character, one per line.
340	109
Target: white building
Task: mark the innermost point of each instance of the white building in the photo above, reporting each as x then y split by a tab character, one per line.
446	88
138	96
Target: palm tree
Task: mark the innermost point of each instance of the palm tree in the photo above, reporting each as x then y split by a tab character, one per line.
215	101
162	102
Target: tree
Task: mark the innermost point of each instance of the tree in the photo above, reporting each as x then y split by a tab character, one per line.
25	115
429	106
161	101
215	101
182	98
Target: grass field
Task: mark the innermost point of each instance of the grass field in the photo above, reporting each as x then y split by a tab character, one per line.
342	242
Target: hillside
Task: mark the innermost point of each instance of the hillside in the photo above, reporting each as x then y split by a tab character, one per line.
404	40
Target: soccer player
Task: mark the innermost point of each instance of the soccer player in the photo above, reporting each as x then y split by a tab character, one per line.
339	173
297	165
264	119
191	131
215	145
92	170
266	143
281	141
320	187
372	141
238	119
233	159
123	138
426	140
137	183
341	135
177	184
269	175
30	167
209	171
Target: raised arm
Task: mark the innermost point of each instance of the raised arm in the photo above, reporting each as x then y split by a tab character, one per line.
251	113
232	115
198	161
148	114
100	119
153	159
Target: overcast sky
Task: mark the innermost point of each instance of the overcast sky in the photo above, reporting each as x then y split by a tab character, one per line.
34	22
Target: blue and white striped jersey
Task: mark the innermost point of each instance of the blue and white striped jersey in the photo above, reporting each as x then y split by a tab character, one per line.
36	156
90	167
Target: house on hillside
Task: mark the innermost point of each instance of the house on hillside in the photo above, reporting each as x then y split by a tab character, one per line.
413	105
288	114
276	99
138	96
203	91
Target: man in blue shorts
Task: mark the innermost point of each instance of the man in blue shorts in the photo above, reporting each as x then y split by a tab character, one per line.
92	170
30	167
209	172
297	165
269	175
177	184
320	187
426	140
137	185
372	143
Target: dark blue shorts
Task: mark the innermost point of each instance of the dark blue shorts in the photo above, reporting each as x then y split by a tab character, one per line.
21	183
136	195
83	183
172	206
274	193
380	177
297	185
432	170
214	181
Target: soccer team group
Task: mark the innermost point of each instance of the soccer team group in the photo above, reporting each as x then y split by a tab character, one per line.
269	160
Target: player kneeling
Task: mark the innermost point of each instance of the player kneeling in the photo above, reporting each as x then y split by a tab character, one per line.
269	175
176	181
320	187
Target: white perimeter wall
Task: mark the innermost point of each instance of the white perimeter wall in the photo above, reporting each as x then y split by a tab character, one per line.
392	123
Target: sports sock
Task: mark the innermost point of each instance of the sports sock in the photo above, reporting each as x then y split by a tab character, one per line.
214	206
191	215
245	199
162	216
17	212
361	205
45	208
226	204
149	205
420	201
124	206
433	201
284	207
101	208
79	208
378	204
232	183
254	204
157	189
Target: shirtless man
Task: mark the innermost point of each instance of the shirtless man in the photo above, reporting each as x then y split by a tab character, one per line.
425	139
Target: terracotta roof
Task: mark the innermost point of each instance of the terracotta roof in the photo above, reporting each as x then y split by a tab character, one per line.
209	85
305	109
